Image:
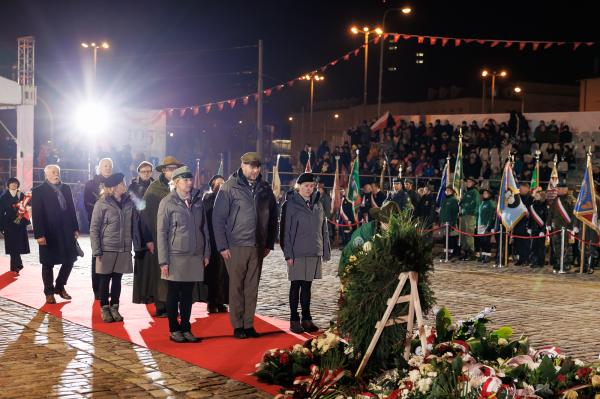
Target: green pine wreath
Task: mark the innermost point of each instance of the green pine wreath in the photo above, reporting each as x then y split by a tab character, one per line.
369	279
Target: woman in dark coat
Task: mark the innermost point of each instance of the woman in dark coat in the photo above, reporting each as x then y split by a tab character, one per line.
215	276
13	227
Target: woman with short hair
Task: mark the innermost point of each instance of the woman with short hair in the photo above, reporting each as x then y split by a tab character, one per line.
305	247
111	231
13	224
183	250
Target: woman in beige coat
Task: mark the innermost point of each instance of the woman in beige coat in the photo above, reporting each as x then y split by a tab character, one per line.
183	244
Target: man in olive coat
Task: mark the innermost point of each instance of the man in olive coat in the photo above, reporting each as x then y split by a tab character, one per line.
245	226
148	287
56	230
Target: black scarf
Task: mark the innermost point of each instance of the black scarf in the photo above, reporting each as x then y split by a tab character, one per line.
62	202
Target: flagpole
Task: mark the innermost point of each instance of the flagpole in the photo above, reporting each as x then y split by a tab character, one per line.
581	260
389	173
506	249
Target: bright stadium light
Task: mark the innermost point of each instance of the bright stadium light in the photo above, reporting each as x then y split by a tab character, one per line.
92	118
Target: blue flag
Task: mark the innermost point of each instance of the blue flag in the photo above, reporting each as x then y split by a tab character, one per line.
585	207
510	207
441	196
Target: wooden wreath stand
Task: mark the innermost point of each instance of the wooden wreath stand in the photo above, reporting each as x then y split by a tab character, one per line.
414	310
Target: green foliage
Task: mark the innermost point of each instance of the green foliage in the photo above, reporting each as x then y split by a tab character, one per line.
370	280
443	320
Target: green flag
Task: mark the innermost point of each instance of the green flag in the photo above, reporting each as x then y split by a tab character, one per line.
354	185
458	168
534	178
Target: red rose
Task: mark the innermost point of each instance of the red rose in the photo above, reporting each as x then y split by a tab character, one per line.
284	358
583	372
409	385
394	395
561	378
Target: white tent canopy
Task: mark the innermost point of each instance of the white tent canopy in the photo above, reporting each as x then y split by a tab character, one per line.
10	93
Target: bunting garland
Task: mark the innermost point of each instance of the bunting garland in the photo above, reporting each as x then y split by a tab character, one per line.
394	37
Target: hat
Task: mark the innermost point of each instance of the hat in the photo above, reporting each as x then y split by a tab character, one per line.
450	188
396	180
251	158
114	180
215	177
488	190
145	163
408	181
383	214
168	161
13	180
306	178
471	178
182	173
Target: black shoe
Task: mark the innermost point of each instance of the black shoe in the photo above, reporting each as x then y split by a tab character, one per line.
178	337
212	309
296	327
189	337
222	309
486	259
251	332
240	333
309	326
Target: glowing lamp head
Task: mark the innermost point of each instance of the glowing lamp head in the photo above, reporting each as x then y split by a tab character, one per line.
92	118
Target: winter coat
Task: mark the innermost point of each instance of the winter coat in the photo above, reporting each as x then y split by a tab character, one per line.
16	241
400	198
138	188
449	211
215	275
243	217
157	190
485	216
470	202
556	218
56	225
541	210
182	237
306	233
91	194
111	226
426	209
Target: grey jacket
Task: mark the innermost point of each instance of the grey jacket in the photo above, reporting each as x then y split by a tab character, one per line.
305	230
182	231
242	217
111	226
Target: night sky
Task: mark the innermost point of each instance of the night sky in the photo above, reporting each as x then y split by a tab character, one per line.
172	53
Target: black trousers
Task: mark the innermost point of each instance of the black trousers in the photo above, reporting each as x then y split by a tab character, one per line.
522	247
16	263
61	279
485	245
538	252
179	300
95	279
300	292
109	285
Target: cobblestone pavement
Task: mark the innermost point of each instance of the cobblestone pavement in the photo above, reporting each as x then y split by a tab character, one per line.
44	356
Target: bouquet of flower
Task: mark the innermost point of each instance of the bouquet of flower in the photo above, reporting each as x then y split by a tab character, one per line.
22	208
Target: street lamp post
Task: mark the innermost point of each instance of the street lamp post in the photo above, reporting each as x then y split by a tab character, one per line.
519	90
405	11
94	47
485	73
366	31
312	79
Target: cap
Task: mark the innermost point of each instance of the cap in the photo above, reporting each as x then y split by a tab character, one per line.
251	158
306	178
182	173
145	163
168	161
114	180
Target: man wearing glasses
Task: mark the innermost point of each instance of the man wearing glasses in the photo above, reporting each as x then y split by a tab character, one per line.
148	287
140	184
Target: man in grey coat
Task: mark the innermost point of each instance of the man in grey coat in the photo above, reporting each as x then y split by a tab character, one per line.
245	226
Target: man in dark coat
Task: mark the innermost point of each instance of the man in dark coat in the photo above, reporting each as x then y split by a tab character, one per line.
56	230
12	225
215	275
91	194
140	184
245	226
148	287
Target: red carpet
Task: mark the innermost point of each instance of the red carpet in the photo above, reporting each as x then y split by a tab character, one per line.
218	351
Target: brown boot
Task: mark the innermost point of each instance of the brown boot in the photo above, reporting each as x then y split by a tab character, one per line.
309	326
50	299
63	294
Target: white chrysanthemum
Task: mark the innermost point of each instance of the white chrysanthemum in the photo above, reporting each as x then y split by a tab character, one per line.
415	361
424	385
367	246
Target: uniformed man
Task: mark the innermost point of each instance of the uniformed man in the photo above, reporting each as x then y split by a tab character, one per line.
560	215
449	214
522	246
469	204
409	187
346	218
486	213
398	195
536	227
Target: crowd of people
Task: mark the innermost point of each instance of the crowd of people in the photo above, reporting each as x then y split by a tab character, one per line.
421	150
189	245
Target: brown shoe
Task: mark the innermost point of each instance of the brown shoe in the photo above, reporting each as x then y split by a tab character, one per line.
63	294
50	299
